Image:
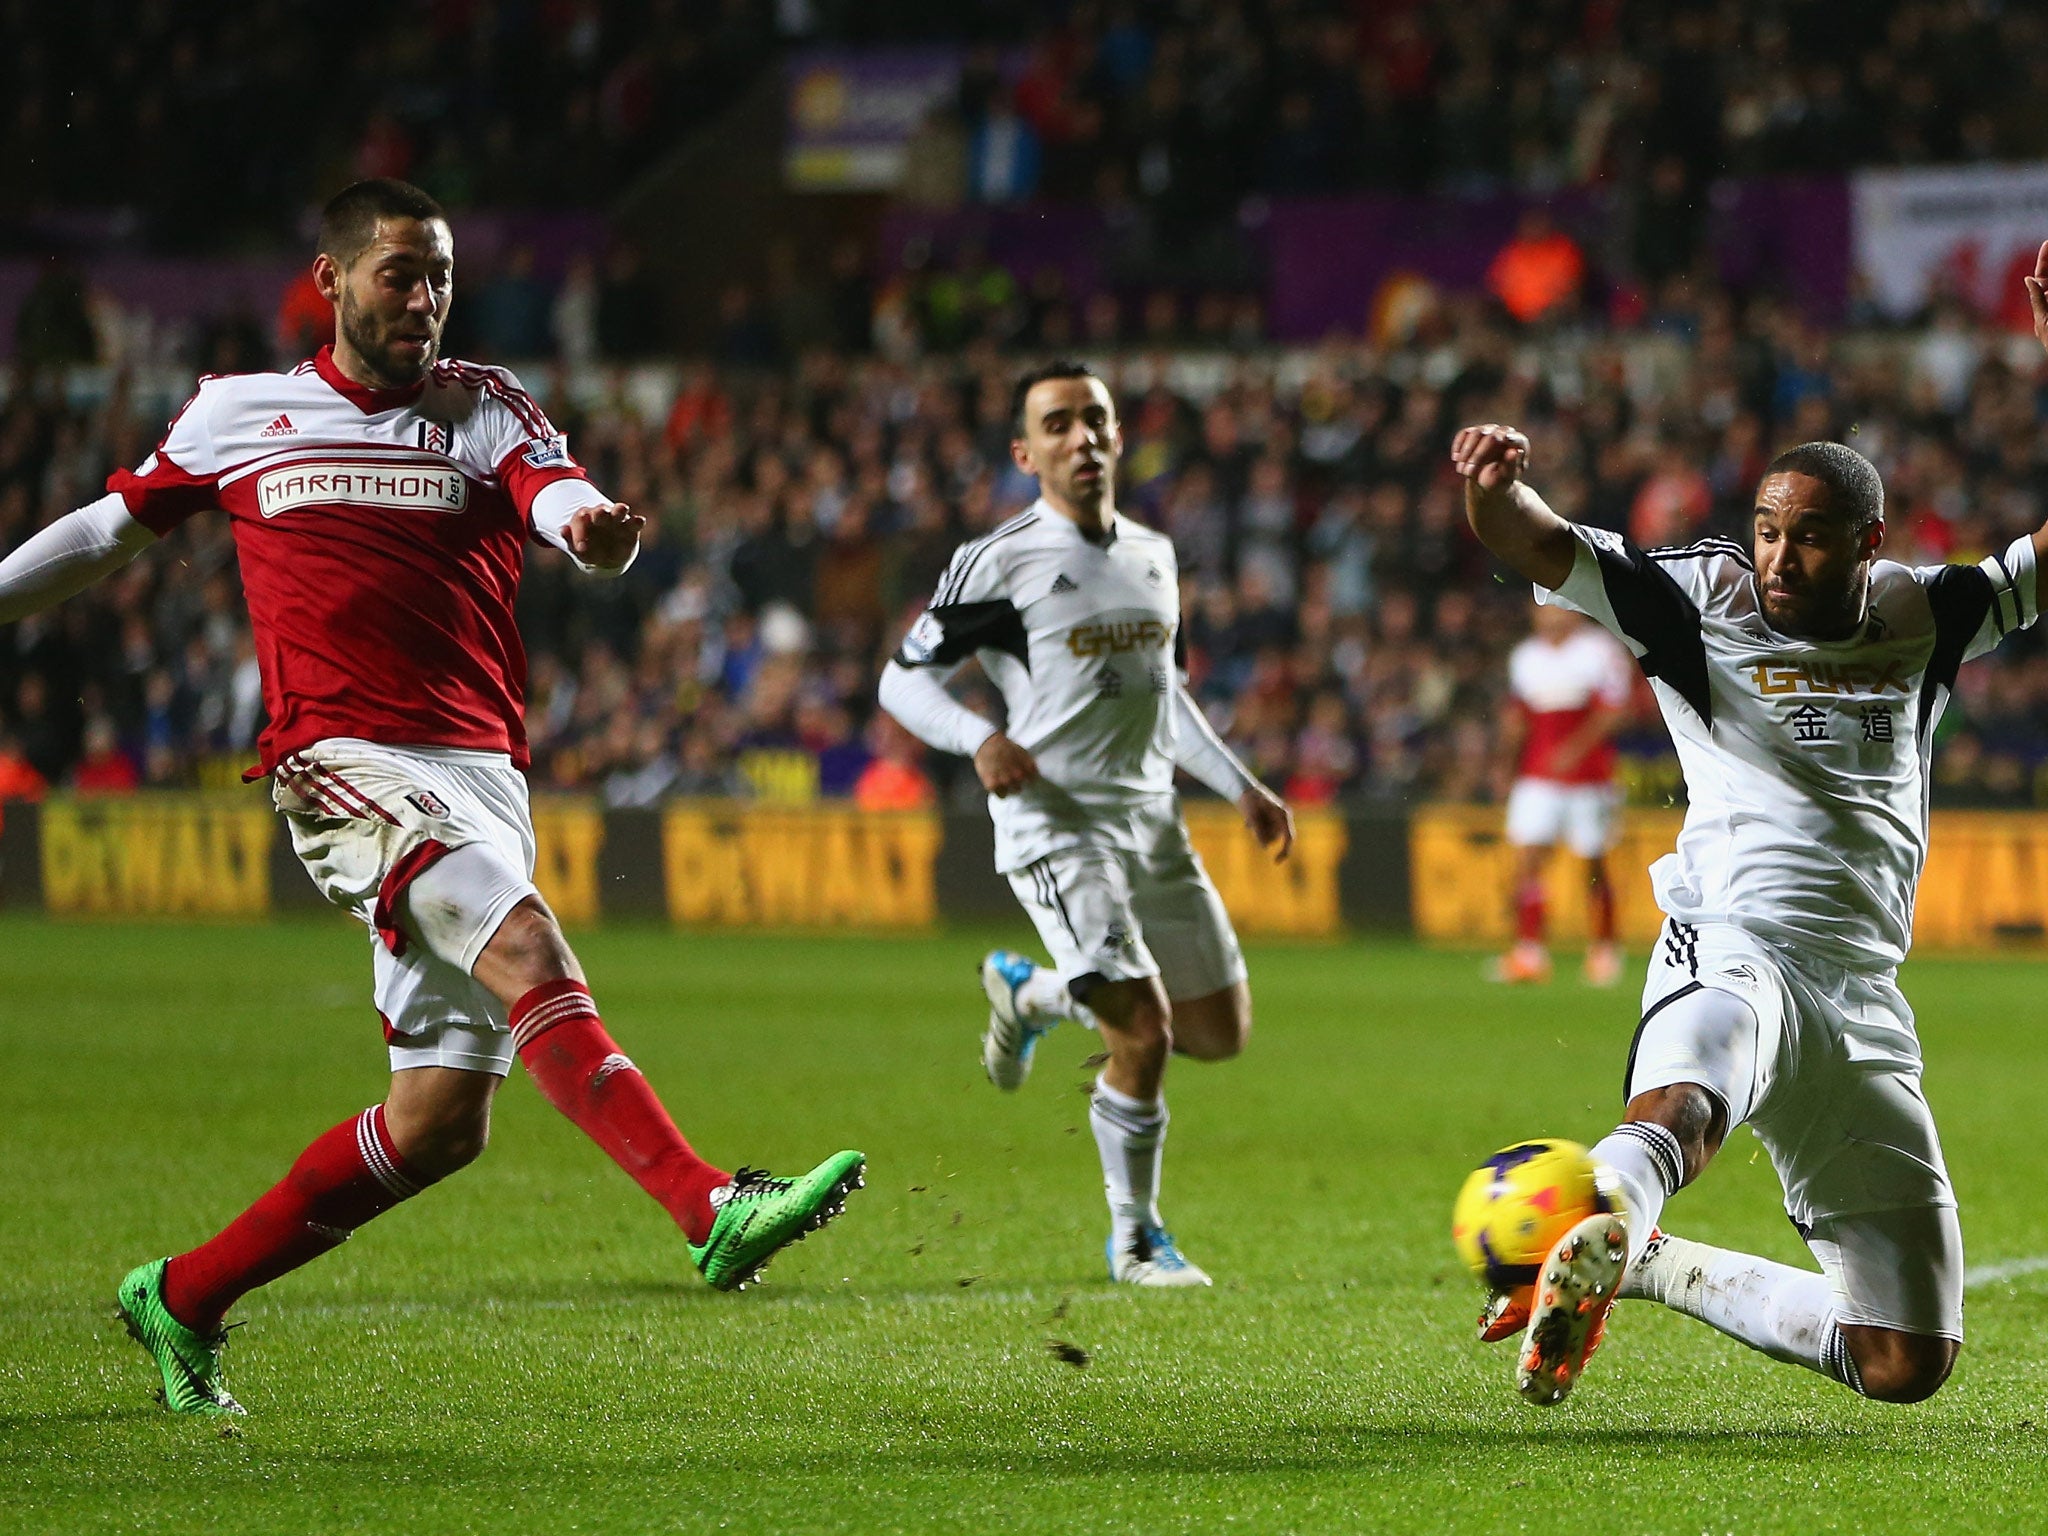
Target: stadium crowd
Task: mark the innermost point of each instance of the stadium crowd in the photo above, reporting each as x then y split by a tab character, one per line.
1189	108
1345	631
809	476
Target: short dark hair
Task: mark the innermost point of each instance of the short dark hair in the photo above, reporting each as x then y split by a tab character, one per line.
1059	368
1855	488
349	221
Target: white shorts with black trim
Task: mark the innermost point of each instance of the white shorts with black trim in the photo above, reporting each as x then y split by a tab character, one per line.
1824	1066
369	821
1542	813
1121	913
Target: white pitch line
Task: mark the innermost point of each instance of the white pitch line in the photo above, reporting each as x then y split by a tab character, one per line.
2005	1269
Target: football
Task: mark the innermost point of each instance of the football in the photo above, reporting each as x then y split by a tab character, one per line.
1519	1202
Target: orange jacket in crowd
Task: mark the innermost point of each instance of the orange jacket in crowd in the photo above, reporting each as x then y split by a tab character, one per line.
1536	271
890	786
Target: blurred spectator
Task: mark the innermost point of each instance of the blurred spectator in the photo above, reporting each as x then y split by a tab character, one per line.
305	321
104	769
1003	158
628	322
19	778
1540	269
509	314
894	780
53	328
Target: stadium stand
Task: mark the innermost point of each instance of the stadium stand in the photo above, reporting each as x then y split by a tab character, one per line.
844	429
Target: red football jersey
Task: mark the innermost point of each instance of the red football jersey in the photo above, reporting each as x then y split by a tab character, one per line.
1557	687
381	535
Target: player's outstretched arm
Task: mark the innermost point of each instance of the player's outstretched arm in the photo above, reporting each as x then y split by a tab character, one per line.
1509	517
69	556
606	537
2037	300
602	537
1198	749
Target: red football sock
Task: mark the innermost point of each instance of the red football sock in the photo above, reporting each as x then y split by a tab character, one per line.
1529	912
583	1073
1600	897
347	1176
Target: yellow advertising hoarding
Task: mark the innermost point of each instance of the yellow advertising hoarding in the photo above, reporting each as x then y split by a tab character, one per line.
1986	882
818	866
1299	898
158	856
568	835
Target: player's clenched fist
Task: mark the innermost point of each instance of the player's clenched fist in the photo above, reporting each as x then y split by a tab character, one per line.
1003	766
604	536
1491	457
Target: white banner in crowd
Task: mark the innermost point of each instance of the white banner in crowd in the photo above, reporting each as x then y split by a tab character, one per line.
1968	230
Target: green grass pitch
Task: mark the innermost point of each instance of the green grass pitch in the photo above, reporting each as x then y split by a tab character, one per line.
526	1350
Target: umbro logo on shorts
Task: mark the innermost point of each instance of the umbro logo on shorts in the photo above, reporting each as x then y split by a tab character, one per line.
1064	583
427	803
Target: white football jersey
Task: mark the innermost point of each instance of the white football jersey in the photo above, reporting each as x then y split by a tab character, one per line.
1081	638
1585	669
1806	761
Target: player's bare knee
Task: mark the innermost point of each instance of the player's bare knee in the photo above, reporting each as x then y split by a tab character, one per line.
1219	1044
1150	1028
528	950
440	1138
1900	1368
1215	1034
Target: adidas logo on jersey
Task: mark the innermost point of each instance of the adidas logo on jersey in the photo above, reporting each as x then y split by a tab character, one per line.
282	427
1064	583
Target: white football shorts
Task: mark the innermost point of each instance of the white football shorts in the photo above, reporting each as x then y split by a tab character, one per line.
1121	914
1824	1065
1542	813
379	826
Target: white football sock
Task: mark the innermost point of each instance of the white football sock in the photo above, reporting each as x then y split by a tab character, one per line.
1648	1160
1787	1313
1131	1136
1044	998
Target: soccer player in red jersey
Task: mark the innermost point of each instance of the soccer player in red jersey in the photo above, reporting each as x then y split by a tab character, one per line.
381	499
1568	690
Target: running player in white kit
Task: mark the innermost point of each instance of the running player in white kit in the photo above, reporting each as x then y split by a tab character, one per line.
1568	690
1074	612
381	500
1801	678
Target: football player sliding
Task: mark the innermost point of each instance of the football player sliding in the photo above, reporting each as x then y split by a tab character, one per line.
1801	677
381	500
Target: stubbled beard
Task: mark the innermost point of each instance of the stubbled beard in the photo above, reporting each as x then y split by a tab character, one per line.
357	330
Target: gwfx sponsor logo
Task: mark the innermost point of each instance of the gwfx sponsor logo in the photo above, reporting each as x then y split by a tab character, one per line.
1124	635
1821	677
309	485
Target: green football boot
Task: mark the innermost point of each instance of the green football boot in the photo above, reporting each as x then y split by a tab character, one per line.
759	1214
190	1361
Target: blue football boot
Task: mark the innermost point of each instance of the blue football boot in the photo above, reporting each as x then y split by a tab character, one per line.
1012	1035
